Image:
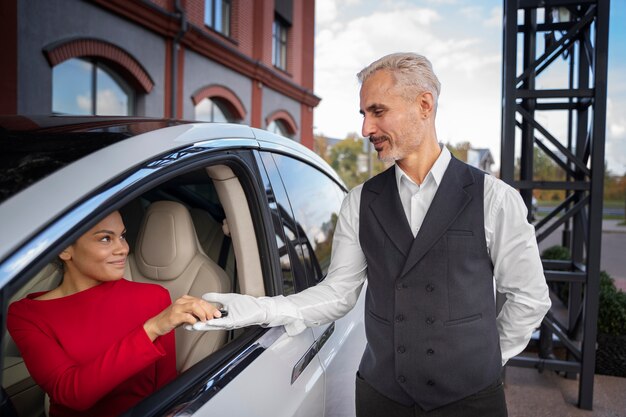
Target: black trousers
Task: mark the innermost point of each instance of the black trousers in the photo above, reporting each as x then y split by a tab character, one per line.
489	402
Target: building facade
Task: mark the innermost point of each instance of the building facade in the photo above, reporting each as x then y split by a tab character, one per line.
243	61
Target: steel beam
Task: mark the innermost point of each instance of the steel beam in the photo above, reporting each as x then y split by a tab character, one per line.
582	40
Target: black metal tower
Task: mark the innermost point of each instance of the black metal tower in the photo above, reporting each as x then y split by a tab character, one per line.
555	70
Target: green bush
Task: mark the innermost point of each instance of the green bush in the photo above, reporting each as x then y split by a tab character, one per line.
612	311
558	253
612	307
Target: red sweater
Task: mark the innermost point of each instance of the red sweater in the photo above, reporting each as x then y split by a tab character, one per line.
89	350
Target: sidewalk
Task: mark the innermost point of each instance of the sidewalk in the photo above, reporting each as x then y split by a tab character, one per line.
615	234
613	226
533	394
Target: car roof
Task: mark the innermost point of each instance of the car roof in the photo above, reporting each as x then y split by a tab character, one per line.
129	142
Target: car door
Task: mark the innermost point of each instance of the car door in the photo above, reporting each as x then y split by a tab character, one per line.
315	200
287	378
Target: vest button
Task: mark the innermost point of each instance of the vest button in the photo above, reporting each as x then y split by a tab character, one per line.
399	318
430	352
430	287
401	349
430	320
401	379
398	286
430	383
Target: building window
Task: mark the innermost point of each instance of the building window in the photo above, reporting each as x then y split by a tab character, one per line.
279	44
217	15
89	87
280	128
214	110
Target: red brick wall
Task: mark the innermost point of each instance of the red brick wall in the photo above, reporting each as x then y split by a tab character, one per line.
308	44
294	43
195	12
165	4
306	125
263	20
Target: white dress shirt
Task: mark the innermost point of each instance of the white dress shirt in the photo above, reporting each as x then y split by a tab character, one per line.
510	239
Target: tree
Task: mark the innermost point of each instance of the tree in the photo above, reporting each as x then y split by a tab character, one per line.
459	150
344	156
320	147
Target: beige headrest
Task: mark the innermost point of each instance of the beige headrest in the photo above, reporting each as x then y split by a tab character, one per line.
167	241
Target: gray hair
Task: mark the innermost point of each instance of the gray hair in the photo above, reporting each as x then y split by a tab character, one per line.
411	71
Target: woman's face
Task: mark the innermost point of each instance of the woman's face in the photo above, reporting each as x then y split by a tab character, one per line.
100	254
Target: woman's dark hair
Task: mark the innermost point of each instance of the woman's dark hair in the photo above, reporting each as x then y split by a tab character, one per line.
58	264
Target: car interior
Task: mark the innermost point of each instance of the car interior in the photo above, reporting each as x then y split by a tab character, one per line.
192	234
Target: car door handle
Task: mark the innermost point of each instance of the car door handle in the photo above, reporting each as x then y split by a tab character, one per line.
317	345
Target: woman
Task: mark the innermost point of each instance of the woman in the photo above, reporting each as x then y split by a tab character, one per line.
98	344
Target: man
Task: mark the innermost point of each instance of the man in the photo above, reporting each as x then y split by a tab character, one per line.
430	234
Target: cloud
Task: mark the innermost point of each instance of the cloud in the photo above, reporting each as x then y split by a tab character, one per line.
472	12
615	148
109	103
469	68
325	11
495	18
84	103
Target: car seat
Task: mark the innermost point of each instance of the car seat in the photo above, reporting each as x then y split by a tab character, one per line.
168	253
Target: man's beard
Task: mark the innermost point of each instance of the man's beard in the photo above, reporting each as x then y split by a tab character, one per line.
391	155
394	152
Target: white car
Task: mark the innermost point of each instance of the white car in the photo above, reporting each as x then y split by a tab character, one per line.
264	209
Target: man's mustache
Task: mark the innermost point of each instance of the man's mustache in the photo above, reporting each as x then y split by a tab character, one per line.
378	139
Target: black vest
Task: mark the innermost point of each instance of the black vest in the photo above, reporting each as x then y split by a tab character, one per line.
430	315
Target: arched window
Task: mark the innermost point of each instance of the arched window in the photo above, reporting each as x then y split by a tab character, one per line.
213	109
89	87
216	103
281	123
280	128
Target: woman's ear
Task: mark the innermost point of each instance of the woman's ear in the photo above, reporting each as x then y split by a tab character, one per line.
66	255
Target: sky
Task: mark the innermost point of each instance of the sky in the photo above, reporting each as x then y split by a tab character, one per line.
463	40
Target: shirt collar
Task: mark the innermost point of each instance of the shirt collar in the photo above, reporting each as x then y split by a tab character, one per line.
436	171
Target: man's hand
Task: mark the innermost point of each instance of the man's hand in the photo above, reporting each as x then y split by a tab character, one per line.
243	311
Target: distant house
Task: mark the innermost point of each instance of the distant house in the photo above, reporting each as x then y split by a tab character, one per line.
480	158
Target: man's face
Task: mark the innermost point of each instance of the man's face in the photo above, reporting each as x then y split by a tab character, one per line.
393	124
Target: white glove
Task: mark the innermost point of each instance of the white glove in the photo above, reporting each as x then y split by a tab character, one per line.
243	311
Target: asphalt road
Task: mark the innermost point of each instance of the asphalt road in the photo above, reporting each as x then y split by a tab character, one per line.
613	251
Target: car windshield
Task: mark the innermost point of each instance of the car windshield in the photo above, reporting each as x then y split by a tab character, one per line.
30	152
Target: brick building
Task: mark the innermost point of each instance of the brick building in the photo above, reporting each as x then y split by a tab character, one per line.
247	61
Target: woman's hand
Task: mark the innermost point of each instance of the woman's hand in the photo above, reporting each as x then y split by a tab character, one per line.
185	310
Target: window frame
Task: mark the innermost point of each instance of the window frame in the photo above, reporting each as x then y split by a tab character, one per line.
222	106
221	24
280	37
302	266
94	65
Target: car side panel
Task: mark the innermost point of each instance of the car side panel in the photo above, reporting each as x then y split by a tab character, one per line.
264	388
340	357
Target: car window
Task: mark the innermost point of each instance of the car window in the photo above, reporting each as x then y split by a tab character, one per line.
287	238
315	200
